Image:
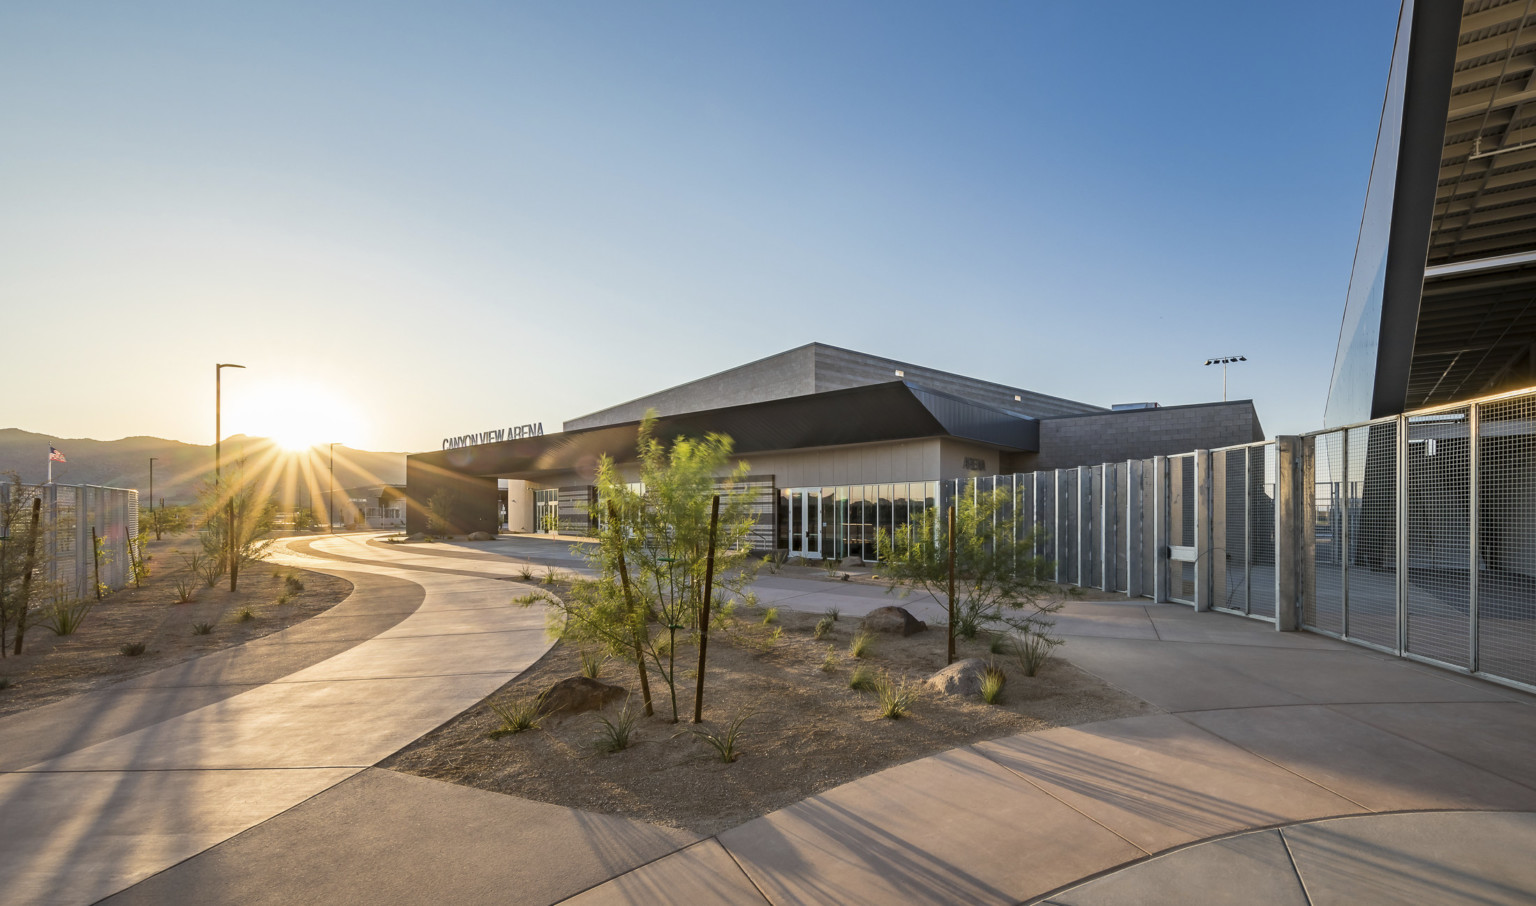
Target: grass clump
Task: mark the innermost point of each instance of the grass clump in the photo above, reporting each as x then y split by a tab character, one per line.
284	598
618	734
525	572
186	590
516	716
65	619
293	584
771	615
861	645
823	628
992	685
896	699
202	628
998	643
592	662
832	613
551	577
863	679
724	741
1032	650
829	663
245	615
5	682
131	649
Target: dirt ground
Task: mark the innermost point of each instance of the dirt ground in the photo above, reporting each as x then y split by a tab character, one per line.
52	667
808	731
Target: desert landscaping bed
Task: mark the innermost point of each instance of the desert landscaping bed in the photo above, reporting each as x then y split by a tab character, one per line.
52	667
807	731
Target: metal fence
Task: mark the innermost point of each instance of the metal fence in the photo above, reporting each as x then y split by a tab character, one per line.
88	534
1414	535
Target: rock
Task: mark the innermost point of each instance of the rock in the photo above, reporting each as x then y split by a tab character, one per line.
576	694
418	536
853	562
481	536
960	678
894	620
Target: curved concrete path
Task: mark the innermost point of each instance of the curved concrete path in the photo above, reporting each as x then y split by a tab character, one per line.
1258	730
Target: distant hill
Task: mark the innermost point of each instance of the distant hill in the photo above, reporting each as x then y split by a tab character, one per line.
179	467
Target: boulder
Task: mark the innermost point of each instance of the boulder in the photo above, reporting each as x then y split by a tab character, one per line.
894	620
853	562
418	536
960	678
576	694
481	536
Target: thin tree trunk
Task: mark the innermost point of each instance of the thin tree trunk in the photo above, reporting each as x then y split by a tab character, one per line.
951	585
96	562
26	578
709	582
634	615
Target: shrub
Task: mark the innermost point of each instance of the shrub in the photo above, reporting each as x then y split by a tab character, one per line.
771	615
64	619
516	716
832	612
525	572
724	741
861	645
244	615
896	699
293	584
1033	649
551	577
863	679
131	649
284	598
209	569
617	734
992	685
967	623
998	644
202	628
592	662
186	591
823	628
829	663
5	682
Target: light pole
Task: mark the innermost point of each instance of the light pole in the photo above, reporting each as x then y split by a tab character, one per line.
1224	361
152	497
218	457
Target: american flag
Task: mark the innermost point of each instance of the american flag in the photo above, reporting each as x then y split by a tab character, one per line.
54	455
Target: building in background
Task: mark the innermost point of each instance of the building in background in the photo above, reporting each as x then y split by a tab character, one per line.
373	506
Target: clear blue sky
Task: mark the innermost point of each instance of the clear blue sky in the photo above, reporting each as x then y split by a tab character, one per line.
448	217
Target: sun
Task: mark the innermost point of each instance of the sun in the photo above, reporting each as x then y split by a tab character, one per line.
299	417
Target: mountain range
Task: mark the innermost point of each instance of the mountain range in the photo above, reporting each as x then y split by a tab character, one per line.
181	467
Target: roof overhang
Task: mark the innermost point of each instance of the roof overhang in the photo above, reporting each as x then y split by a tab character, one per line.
876	413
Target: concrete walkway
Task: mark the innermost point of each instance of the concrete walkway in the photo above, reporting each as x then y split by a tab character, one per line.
1378	780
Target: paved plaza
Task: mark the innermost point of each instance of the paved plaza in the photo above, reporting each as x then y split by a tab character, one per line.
1280	768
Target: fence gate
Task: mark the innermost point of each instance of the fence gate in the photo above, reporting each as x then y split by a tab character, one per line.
1180	519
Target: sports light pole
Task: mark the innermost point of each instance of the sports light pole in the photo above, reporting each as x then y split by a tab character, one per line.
218	457
1224	361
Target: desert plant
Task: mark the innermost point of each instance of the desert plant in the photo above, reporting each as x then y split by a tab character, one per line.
525	572
863	679
244	615
293	584
237	516
771	615
551	577
992	685
186	591
592	661
895	699
209	569
5	682
617	734
823	628
1033	649
724	741
131	649
202	628
832	612
516	715
64	618
831	565
998	643
861	645
284	598
967	623
829	663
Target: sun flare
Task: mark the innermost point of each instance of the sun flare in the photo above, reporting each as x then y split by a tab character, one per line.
300	417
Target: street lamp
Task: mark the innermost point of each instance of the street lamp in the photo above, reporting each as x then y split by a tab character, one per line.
1224	361
218	456
152	496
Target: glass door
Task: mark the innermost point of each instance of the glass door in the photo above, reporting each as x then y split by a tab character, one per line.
812	524
796	522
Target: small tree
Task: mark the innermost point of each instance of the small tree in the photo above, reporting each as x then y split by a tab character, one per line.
236	521
999	581
16	592
170	520
656	535
440	514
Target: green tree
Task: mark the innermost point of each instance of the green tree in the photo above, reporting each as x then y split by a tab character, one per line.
999	581
170	520
655	533
236	520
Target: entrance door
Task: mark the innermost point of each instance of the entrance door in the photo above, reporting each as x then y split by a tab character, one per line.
812	525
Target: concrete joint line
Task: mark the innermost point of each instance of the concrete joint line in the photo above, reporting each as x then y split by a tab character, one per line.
1414	742
1304	779
1027	779
1291	857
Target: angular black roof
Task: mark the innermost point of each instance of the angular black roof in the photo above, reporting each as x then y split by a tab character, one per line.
879	412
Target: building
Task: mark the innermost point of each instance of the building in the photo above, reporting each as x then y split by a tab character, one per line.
373	506
841	444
